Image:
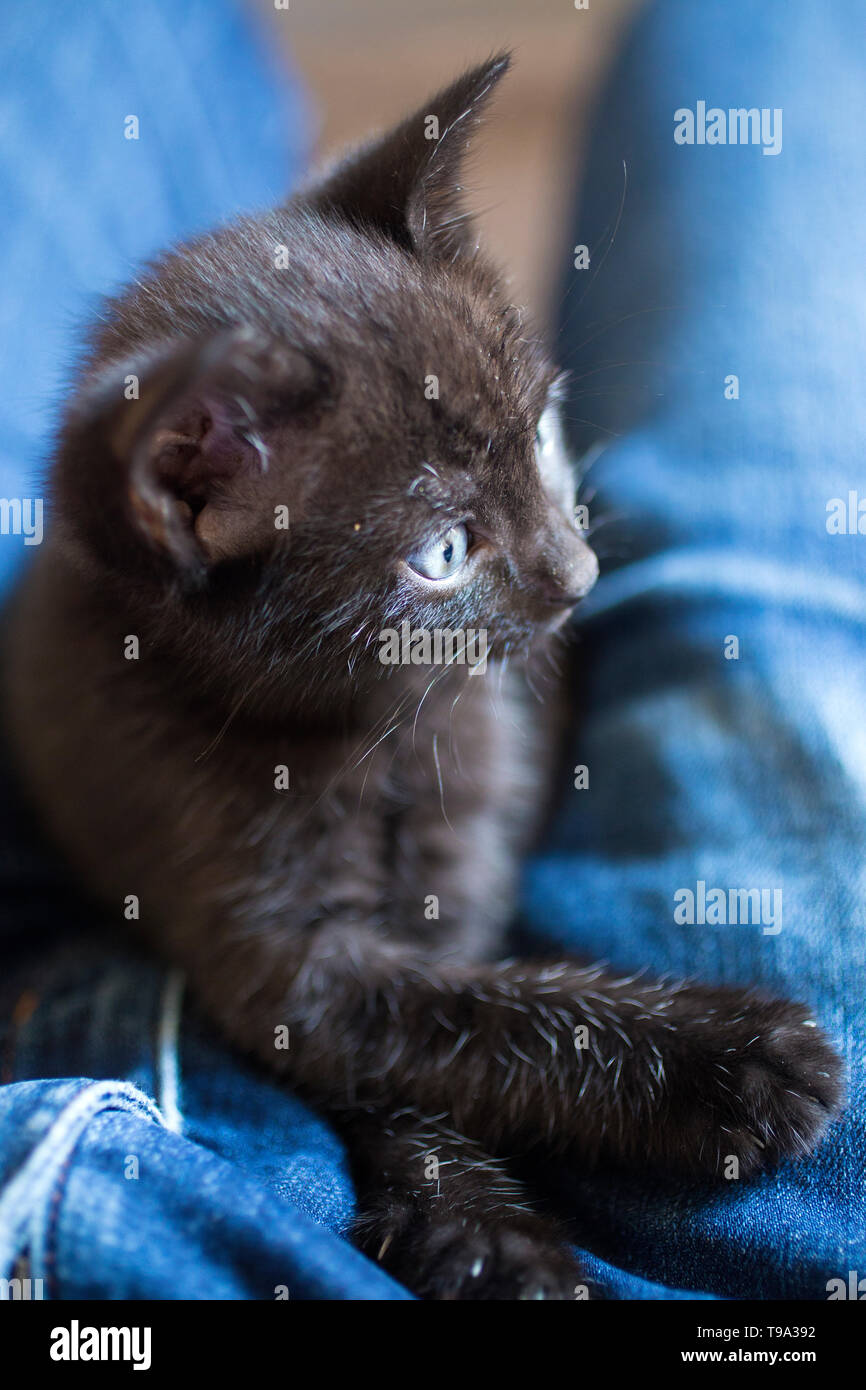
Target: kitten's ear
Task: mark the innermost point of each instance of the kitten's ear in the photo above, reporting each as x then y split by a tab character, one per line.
155	450
406	183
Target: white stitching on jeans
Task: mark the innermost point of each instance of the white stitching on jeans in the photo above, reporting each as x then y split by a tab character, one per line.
168	1070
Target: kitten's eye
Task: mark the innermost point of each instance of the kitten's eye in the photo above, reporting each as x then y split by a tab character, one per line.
442	557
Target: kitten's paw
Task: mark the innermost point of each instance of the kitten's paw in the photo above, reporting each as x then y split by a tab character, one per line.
460	1258
767	1088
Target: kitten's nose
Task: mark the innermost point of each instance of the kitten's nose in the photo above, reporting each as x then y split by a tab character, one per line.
567	574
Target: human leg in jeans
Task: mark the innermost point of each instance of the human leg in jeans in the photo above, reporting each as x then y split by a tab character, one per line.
716	345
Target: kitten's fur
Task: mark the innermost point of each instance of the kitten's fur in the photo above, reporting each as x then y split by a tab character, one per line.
305	387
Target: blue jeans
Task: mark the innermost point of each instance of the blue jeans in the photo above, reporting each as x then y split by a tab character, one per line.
714	343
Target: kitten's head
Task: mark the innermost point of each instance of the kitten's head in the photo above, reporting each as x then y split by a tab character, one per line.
317	424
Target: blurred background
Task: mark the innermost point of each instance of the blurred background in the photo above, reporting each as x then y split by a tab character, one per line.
84	202
368	64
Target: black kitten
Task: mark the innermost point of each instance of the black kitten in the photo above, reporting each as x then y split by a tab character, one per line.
305	451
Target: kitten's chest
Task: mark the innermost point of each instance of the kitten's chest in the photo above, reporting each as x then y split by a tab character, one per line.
432	731
432	761
427	769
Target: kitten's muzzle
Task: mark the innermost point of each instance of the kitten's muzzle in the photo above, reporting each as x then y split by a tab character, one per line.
568	579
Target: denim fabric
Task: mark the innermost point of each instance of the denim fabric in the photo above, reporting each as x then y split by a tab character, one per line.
220	131
153	1163
194	1176
709	261
104	1201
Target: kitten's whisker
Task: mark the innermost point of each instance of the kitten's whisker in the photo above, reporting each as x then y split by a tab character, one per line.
605	326
579	420
435	677
609	366
607	250
232	715
439	780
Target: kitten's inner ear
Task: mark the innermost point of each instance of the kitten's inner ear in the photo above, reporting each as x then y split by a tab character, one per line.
406	183
191	446
194	465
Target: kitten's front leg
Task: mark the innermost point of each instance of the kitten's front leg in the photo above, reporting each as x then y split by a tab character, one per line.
684	1076
532	1056
691	1076
447	1219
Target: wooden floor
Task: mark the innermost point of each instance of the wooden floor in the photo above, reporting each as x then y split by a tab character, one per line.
368	62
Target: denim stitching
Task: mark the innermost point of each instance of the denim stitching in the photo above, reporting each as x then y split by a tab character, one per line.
26	1196
168	1063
